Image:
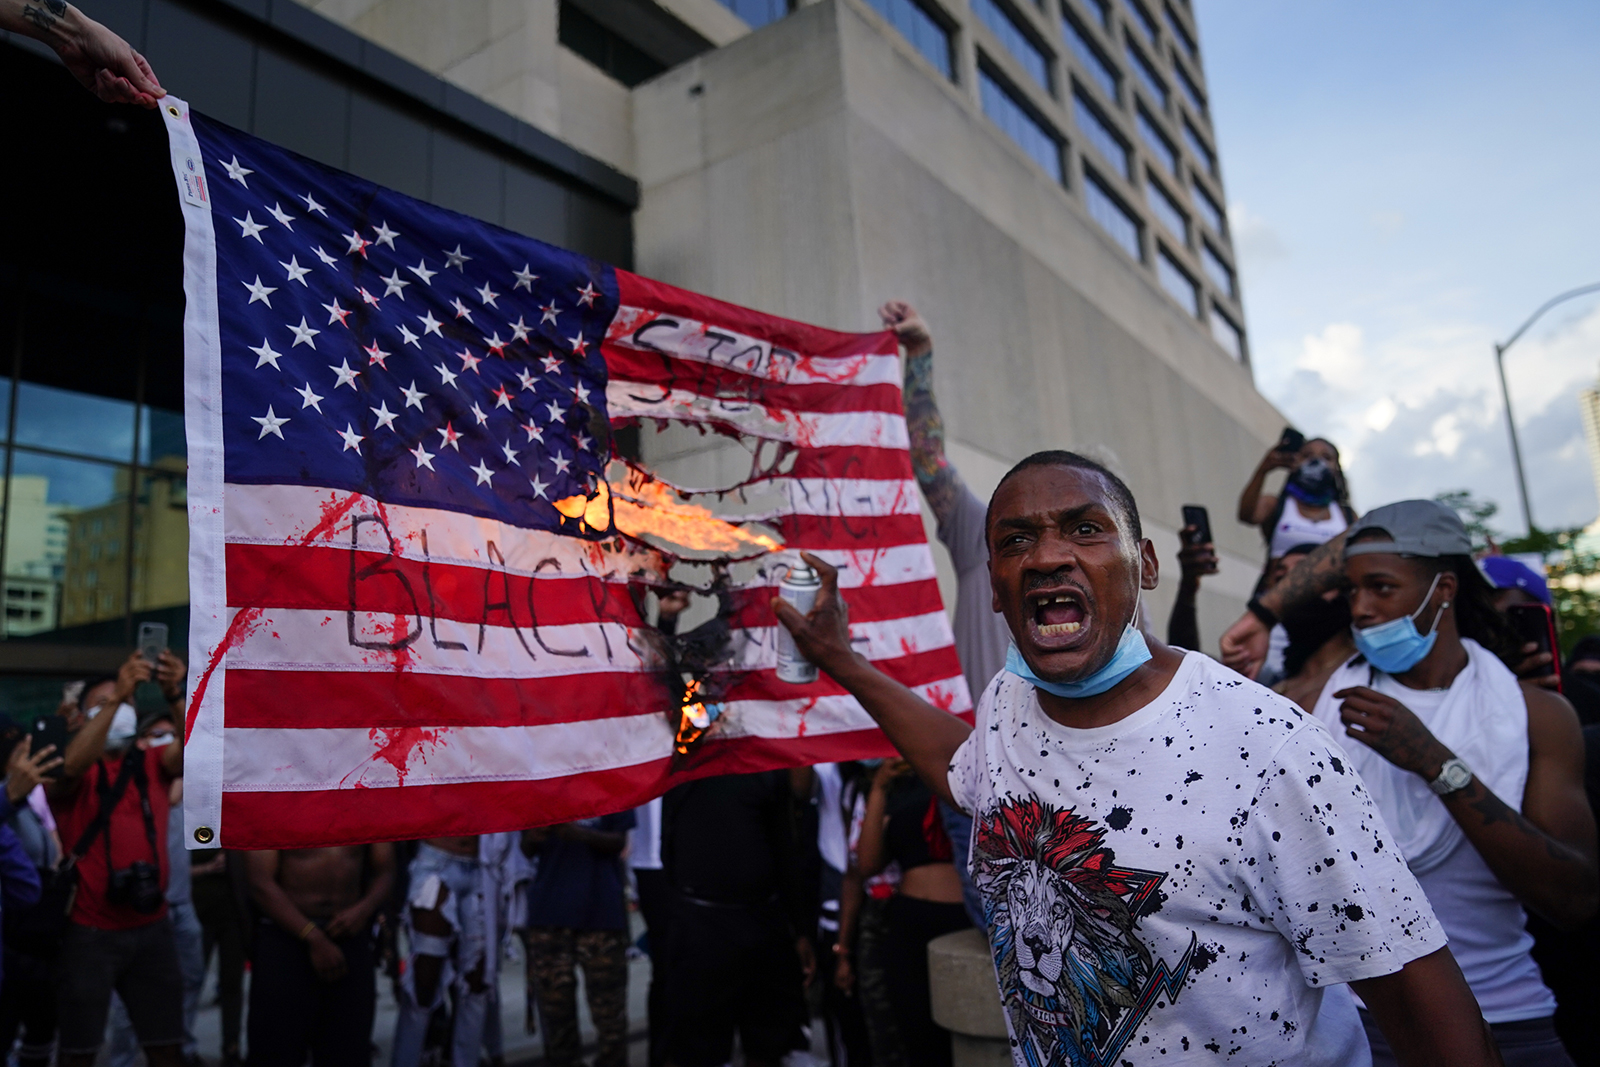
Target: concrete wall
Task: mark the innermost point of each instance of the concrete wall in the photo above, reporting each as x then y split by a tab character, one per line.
506	51
816	168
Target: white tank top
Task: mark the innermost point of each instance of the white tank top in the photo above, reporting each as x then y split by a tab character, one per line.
1295	529
1484	921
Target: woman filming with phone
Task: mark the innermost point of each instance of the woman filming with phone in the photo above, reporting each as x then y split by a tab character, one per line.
1312	508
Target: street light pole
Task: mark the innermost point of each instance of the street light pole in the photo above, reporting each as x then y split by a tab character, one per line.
1505	393
1511	424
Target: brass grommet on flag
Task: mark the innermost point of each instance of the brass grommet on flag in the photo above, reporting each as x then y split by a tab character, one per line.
204	835
174	112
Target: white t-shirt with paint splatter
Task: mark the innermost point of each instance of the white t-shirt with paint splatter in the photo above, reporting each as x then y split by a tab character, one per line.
1197	878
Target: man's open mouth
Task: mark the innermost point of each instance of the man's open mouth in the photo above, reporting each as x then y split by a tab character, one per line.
1058	615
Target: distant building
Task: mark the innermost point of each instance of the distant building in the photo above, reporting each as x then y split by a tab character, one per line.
103	578
36	550
1589	406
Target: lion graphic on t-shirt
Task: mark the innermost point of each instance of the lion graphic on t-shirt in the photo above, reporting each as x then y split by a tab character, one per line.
1075	977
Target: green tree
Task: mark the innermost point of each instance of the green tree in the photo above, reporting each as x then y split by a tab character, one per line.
1573	574
1474	513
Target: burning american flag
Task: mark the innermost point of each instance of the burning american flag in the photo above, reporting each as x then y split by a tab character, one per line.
419	569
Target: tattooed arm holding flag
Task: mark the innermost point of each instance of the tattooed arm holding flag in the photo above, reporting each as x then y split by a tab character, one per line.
106	64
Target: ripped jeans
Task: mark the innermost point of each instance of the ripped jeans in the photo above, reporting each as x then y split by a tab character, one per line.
449	884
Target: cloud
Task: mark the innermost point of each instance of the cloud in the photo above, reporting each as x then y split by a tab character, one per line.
1419	412
1254	240
1335	355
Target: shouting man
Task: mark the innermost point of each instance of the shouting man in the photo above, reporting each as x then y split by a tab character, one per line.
1172	858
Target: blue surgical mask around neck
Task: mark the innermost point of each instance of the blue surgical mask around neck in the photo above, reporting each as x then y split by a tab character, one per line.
1132	653
1394	647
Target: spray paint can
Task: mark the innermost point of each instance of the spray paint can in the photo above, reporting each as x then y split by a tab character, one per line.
799	587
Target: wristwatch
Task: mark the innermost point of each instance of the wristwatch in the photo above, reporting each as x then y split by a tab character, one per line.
1454	775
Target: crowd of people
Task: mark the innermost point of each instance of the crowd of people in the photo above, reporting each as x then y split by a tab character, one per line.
1366	833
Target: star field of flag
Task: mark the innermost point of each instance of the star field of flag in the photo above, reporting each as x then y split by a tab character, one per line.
377	344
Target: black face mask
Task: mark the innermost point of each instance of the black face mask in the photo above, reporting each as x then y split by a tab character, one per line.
1314	482
1582	689
1310	627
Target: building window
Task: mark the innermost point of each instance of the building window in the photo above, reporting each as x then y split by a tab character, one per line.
1157	142
1181	34
758	12
1201	150
1007	111
1227	334
1209	211
1005	26
1098	132
604	48
1142	17
1220	272
1094	62
918	26
1147	74
1166	209
1100	9
1196	99
1109	212
1176	281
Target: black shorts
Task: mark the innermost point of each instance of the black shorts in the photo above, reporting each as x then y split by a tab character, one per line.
140	965
727	970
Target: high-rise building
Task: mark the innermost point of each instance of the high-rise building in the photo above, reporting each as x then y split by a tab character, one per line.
1040	177
1589	406
35	554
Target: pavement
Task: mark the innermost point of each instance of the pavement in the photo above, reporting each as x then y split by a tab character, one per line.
521	1048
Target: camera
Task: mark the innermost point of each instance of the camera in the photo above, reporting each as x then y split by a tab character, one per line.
137	886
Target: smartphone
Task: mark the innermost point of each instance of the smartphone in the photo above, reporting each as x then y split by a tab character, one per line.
1195	515
1291	441
1536	623
152	640
50	730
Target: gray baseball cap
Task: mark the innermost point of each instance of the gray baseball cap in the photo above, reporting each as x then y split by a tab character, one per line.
1415	527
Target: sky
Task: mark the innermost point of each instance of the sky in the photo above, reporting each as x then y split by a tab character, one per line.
1407	182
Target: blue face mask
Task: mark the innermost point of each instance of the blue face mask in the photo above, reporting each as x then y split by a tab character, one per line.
1131	653
1394	647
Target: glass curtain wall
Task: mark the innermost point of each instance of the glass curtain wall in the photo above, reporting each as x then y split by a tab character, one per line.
94	503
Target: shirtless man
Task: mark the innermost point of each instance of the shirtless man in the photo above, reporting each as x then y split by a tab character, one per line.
449	935
312	988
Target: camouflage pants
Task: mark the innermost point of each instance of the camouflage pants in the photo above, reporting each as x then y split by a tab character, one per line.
872	985
554	954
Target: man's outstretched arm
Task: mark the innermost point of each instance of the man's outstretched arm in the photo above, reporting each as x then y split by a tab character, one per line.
940	483
924	735
1429	1014
1244	646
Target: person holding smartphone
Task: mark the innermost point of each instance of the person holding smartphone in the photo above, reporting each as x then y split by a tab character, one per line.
1524	595
111	805
1313	508
1197	557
